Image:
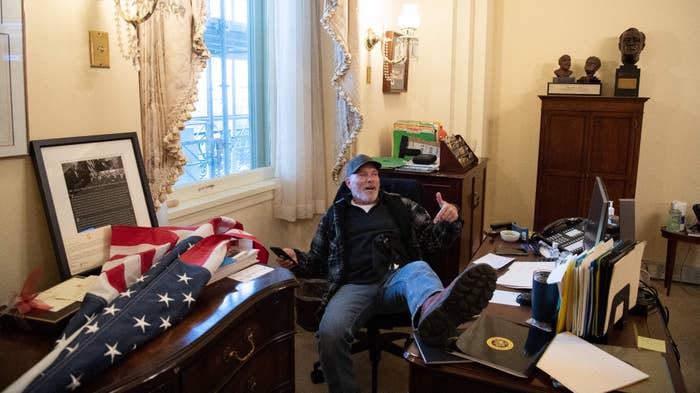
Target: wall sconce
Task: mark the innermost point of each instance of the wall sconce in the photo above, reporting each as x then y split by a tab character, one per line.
397	48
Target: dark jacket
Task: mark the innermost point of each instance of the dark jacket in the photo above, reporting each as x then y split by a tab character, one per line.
327	256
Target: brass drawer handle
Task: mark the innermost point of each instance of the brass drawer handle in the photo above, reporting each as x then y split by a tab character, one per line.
229	353
252	384
476	200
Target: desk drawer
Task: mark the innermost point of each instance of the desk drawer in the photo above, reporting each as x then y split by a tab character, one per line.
240	344
263	373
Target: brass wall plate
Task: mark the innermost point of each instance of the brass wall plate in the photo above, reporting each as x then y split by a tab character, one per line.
99	49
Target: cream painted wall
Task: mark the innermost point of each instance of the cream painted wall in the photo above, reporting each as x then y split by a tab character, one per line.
529	38
430	77
65	97
523	41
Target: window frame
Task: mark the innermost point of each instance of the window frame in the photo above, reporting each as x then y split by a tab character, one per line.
232	187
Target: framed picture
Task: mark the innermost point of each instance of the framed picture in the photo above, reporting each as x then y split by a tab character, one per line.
13	115
87	185
395	78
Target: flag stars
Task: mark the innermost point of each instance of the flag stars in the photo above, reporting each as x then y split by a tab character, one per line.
111	310
62	341
187	298
184	278
127	293
74	382
91	328
165	323
89	318
73	348
141	322
165	299
142	278
112	351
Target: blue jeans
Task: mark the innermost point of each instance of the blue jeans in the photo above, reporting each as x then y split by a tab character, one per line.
351	307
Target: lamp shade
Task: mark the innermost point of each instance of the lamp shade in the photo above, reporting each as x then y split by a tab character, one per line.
409	17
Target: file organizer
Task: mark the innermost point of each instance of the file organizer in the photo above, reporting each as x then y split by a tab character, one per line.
595	294
624	285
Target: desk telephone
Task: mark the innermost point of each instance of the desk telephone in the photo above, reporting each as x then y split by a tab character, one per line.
566	232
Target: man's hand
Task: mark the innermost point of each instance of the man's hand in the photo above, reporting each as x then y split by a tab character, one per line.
288	263
448	212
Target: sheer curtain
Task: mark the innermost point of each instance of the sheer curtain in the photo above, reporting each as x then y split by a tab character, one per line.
296	116
171	56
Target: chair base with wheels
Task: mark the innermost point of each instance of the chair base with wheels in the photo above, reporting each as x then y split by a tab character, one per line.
376	336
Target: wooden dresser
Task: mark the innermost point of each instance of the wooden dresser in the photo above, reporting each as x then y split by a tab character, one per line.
466	190
238	338
581	138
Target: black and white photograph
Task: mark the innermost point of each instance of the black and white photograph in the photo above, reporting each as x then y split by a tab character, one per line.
88	184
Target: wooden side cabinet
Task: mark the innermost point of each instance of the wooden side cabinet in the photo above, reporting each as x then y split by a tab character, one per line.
239	337
466	191
581	138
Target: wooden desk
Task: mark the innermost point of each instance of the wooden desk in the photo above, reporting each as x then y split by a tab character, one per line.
194	355
475	377
673	238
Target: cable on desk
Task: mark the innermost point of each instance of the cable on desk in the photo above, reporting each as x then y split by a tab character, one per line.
648	297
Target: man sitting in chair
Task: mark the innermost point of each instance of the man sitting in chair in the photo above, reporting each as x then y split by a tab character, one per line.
369	246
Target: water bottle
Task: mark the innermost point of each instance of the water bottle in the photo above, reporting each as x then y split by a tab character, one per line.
555	251
674	219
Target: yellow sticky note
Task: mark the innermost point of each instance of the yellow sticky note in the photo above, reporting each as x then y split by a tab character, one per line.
651	344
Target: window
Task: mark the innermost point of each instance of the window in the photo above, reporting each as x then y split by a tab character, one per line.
228	132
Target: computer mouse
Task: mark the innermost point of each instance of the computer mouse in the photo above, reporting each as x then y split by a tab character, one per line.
524	299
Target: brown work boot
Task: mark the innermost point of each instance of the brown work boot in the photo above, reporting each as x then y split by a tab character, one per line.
465	297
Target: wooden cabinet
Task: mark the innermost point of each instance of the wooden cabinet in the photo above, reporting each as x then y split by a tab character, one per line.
239	337
466	190
581	138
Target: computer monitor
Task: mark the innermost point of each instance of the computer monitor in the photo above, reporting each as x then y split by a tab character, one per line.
597	220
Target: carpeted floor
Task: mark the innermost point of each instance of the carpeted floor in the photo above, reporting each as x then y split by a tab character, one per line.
683	304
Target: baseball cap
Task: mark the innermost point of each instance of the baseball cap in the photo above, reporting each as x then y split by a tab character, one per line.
359	160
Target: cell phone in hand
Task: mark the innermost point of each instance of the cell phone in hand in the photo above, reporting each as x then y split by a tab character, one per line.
280	253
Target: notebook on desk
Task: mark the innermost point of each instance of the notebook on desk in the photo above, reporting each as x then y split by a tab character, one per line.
433	355
503	345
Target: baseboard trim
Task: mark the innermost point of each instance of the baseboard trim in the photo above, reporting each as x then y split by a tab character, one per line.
687	274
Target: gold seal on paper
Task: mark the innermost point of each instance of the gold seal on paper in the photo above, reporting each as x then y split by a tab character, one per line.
499	343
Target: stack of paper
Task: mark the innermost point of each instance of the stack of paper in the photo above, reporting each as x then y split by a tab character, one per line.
66	293
411	167
234	264
519	274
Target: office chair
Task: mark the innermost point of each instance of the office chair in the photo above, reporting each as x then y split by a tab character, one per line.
371	337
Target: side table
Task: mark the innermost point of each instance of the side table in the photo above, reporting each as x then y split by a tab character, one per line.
673	238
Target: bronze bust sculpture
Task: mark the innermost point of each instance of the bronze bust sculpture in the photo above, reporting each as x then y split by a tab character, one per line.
564	69
631	43
592	65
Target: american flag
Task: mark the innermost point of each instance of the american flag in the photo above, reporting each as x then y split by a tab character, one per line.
138	296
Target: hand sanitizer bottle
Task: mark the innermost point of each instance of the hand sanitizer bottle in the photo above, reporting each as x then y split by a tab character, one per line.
611	213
